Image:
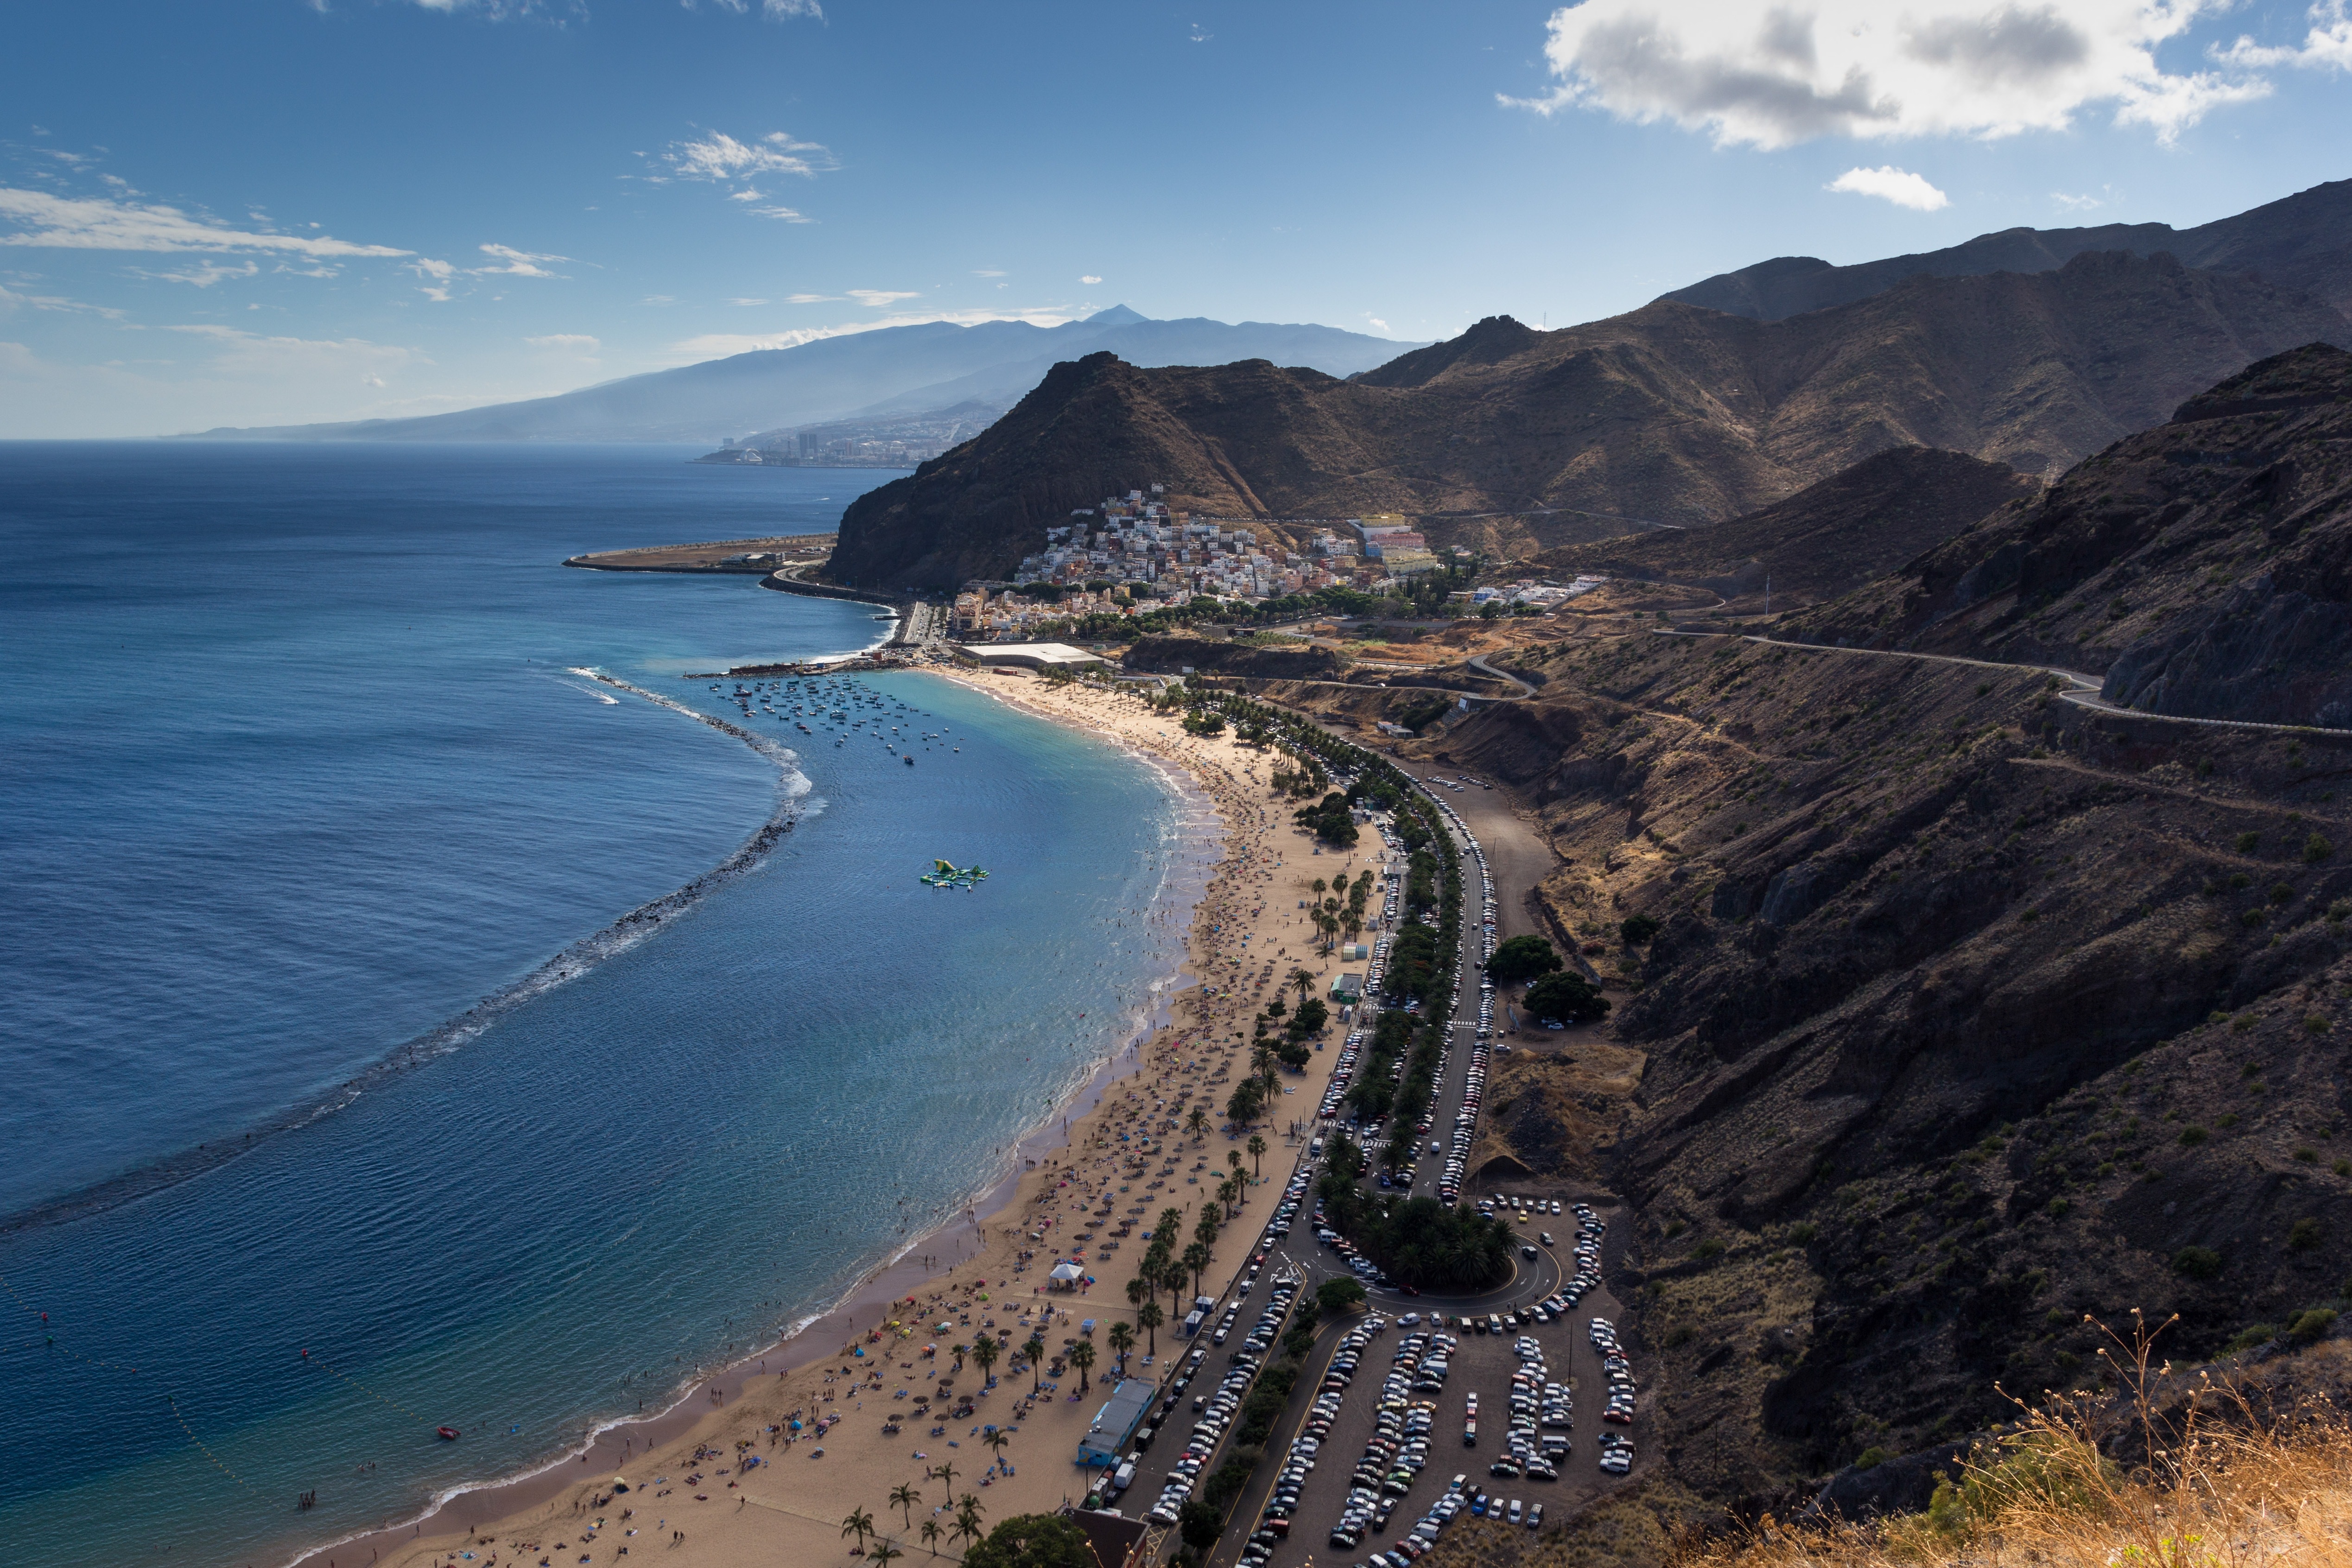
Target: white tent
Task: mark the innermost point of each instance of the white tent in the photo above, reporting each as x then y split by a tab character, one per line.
1064	1273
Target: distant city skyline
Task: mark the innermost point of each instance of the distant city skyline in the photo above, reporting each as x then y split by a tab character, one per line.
339	209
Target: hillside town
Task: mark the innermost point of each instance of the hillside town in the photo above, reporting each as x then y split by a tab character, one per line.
1132	554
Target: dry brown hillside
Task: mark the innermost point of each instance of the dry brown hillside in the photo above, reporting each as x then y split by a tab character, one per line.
1825	540
1670	414
1972	1012
2203	567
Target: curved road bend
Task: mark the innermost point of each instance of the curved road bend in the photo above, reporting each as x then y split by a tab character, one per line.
2080	691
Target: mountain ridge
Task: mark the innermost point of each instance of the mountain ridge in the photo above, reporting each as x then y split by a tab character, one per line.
886	370
2304	241
1673	413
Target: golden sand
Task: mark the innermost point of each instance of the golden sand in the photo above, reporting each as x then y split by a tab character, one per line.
791	1506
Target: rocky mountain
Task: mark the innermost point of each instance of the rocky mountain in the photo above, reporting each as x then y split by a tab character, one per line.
1826	540
1671	413
2304	241
892	371
1972	1018
2202	567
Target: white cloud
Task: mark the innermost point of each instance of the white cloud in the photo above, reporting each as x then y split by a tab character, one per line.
205	274
783	215
773	10
2076	204
93	224
579	341
713	345
2326	47
1376	321
811	299
519	263
747	302
1772	75
242	354
746	195
1888	183
988	272
717	156
1089	278
495	10
880	298
58	302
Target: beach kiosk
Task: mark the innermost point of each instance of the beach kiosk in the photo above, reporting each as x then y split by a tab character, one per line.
1115	1423
1347	990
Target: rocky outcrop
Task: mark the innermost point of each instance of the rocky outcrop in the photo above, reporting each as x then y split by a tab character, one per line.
2260	654
2202	567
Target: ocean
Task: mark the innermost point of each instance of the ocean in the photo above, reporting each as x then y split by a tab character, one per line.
301	770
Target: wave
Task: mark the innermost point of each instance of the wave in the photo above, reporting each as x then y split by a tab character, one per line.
792	808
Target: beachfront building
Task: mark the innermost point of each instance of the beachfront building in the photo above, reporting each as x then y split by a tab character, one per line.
1114	1424
1538	596
1025	655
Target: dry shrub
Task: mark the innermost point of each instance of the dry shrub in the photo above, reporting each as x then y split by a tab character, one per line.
2177	1473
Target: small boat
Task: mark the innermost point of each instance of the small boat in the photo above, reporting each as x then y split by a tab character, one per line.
447	1433
910	761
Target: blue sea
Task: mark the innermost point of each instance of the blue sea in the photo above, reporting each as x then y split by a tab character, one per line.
319	1035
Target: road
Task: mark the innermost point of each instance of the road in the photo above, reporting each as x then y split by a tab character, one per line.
1517	858
2081	690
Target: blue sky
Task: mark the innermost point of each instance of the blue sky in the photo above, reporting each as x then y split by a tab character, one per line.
271	211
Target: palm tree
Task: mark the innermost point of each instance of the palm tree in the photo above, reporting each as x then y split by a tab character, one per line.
959	1352
1151	1317
984	1356
945	1475
967	1524
1197	1123
1172	1224
1035	1349
998	1441
1234	1160
930	1533
1302	982
1122	1340
1081	1356
904	1497
1196	1263
1256	1147
884	1552
860	1524
1139	1290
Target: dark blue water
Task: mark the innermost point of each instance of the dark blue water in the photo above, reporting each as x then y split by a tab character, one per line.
296	770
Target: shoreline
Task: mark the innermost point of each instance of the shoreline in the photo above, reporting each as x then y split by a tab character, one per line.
889	1281
970	1267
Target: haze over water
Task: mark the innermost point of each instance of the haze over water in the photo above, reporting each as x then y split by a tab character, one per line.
295	773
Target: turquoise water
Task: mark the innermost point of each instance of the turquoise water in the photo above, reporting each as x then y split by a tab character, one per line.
297	774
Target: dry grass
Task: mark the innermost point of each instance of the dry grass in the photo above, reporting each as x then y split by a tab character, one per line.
2216	1485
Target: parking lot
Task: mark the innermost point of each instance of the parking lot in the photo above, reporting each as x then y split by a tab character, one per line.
1480	1364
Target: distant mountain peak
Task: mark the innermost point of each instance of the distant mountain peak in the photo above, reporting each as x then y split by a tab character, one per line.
1117	316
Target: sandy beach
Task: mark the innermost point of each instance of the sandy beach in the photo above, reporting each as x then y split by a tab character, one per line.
725	1479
